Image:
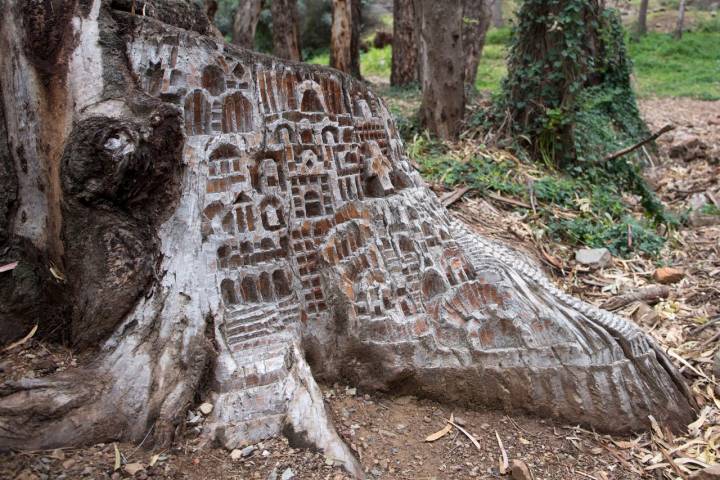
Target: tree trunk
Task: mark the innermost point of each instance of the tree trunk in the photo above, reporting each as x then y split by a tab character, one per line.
476	21
285	29
345	37
680	21
442	62
497	14
642	18
245	23
404	45
208	224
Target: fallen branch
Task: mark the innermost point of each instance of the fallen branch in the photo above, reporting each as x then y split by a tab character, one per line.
452	197
467	434
22	340
647	294
504	464
632	148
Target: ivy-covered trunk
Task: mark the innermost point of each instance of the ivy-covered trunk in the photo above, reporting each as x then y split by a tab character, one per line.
563	52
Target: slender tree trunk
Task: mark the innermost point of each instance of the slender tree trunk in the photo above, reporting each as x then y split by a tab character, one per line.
245	23
442	62
404	45
642	18
681	20
345	37
476	21
286	29
497	14
167	208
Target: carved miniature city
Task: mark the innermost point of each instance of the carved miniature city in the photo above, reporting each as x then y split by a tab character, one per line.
318	232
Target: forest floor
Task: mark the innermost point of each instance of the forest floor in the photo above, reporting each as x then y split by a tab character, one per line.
388	432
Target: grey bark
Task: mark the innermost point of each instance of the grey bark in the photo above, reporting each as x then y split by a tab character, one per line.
497	14
285	30
476	21
245	23
404	44
680	20
228	226
442	63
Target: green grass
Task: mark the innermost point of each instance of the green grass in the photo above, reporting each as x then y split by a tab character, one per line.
665	67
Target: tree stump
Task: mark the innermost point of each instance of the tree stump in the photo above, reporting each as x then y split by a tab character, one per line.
210	222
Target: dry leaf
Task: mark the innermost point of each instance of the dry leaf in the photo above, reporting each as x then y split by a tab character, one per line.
117	457
440	433
8	266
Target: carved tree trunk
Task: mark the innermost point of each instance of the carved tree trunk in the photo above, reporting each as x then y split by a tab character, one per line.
442	63
245	23
285	29
209	223
404	44
476	21
345	37
642	17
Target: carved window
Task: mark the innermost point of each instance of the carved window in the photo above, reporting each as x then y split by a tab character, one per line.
272	214
282	286
311	102
227	289
237	114
249	289
213	80
197	114
313	205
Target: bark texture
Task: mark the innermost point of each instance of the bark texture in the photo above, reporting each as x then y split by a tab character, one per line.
642	17
476	21
245	23
442	63
680	25
497	14
404	44
238	226
285	30
345	37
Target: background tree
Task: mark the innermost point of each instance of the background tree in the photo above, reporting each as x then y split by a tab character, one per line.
404	44
285	29
642	18
552	66
680	20
442	62
345	37
497	14
245	23
476	21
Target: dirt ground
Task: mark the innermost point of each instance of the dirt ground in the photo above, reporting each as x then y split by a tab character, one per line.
388	433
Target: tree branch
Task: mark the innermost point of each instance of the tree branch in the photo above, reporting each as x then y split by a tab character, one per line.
632	148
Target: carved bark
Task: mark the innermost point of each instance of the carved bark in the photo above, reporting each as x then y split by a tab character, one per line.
442	63
404	45
230	227
245	23
476	21
285	30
